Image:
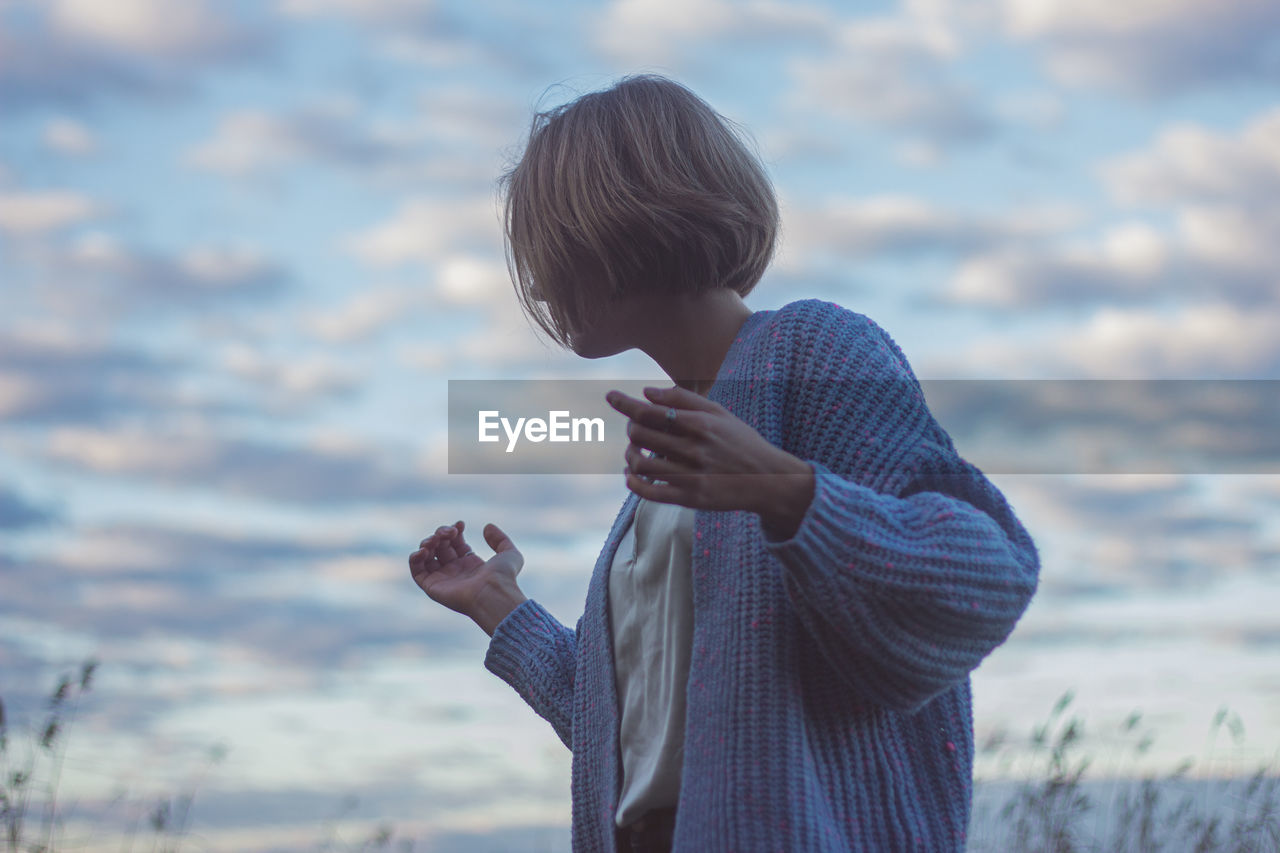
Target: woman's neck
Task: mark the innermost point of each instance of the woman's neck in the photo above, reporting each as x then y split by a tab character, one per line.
689	336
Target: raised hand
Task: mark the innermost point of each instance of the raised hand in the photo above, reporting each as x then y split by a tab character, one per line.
447	569
708	458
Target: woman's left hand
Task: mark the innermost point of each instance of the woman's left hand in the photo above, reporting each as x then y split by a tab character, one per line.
710	459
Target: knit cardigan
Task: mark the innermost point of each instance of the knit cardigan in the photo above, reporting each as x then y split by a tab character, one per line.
829	703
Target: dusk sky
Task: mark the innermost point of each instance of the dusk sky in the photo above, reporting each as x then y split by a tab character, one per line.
244	246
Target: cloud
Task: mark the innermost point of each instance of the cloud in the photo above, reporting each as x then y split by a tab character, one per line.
99	276
135	549
476	284
1193	549
70	137
365	315
472	280
638	31
437	50
1042	110
263	599
887	71
1152	47
1129	262
505	343
1081	502
318	471
229	611
1110	426
73	51
250	141
290	381
1235	248
59	375
36	212
807	145
427	229
1203	339
642	31
903	91
528	44
467	116
452	135
18	513
1193	164
384	12
1222	190
895	73
152	27
901	225
1122	537
1211	338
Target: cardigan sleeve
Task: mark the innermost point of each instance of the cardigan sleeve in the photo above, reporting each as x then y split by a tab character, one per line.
907	587
907	595
534	653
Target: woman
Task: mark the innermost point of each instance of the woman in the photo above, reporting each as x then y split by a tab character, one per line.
779	631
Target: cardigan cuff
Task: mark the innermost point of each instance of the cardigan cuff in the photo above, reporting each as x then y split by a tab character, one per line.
820	542
518	640
820	512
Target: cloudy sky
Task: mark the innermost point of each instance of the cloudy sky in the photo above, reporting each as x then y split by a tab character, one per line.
245	245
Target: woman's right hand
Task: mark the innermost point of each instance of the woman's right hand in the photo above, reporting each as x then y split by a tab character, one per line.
449	572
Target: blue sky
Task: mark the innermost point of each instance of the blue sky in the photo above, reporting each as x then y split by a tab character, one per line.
244	246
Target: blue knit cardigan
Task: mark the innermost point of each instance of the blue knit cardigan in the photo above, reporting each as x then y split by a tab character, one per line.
829	704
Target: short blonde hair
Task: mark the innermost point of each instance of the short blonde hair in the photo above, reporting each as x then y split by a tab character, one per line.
641	185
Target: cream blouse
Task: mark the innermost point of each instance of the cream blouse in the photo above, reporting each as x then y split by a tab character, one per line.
651	602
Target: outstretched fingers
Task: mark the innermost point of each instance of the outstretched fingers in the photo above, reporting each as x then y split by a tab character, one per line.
458	542
452	545
443	532
440	547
